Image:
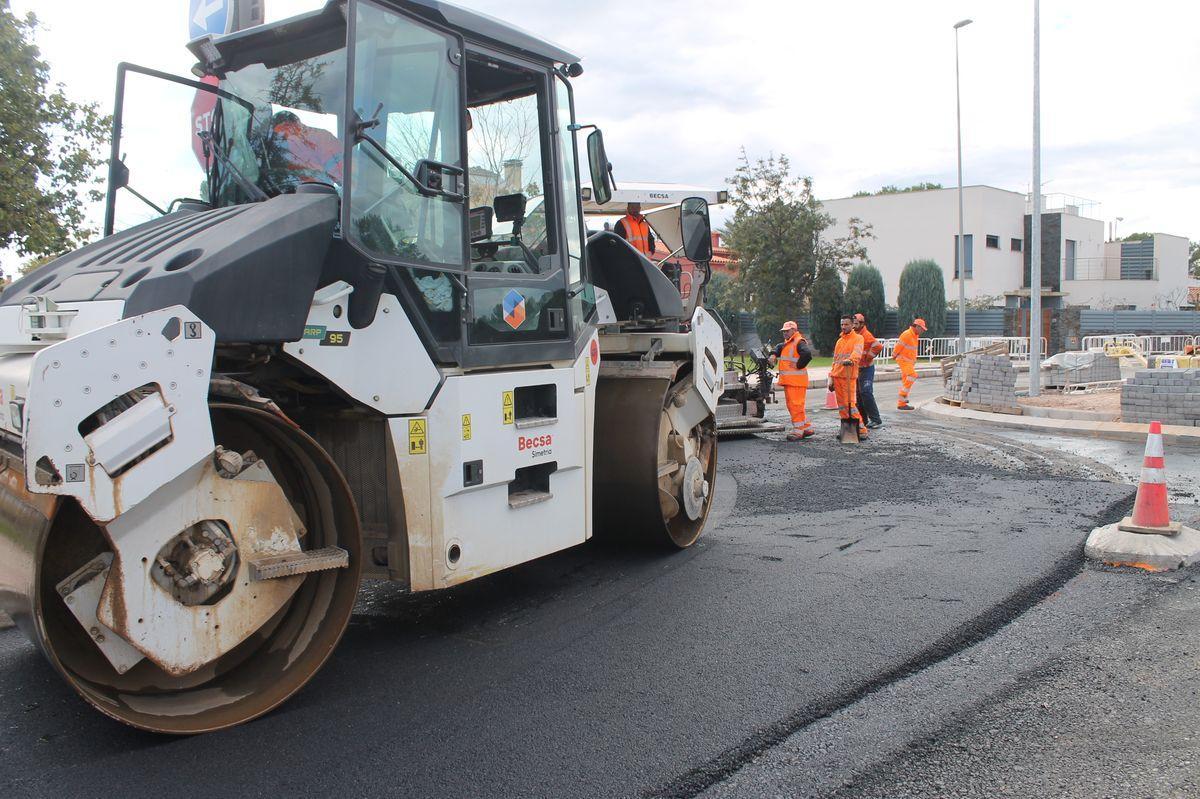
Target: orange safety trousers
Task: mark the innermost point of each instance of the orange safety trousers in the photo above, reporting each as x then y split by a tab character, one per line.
795	396
908	376
846	391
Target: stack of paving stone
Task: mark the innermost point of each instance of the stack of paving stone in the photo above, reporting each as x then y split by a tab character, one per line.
1078	368
1170	396
984	382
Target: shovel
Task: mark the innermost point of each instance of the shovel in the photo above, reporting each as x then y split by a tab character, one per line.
849	431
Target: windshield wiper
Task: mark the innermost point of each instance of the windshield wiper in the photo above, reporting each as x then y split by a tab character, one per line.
248	186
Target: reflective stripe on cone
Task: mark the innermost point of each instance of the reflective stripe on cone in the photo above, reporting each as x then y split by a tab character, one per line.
1151	513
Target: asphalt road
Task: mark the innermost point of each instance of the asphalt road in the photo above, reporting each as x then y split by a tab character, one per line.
827	574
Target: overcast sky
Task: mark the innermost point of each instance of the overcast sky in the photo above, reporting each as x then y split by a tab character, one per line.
857	94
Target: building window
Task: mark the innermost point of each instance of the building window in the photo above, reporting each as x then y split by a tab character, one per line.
1069	261
968	245
993	242
1014	245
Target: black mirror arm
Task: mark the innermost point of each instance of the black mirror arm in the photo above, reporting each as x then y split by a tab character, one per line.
361	135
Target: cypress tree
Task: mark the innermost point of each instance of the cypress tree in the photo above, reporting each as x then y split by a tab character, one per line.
923	295
864	295
826	310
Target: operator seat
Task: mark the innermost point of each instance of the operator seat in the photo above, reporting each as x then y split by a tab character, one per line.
637	288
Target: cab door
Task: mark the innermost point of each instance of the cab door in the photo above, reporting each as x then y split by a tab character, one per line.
521	270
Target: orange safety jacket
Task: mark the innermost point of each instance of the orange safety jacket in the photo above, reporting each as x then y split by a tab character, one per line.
847	354
637	233
906	347
871	347
791	373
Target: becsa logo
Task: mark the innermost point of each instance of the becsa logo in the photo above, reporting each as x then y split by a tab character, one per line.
524	443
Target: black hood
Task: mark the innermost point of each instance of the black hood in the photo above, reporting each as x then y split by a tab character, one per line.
248	271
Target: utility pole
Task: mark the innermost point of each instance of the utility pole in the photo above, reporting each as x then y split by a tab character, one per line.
1035	246
962	242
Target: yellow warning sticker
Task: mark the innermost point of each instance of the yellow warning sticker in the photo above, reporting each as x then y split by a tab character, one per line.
466	426
587	370
418	441
507	407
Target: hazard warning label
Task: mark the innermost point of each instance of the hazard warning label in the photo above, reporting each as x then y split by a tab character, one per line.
418	441
466	427
507	410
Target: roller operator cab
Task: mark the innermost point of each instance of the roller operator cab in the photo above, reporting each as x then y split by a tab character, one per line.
330	335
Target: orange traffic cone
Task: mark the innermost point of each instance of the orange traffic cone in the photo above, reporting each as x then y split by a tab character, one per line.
830	399
1151	513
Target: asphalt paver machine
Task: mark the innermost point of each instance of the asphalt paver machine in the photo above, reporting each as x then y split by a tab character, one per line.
321	363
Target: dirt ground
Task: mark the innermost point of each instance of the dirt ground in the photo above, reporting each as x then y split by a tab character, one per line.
1098	401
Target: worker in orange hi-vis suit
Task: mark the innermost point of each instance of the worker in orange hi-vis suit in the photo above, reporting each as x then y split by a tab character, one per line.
792	357
905	356
843	375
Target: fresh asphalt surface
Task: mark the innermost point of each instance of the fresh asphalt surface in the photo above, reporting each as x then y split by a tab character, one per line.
827	574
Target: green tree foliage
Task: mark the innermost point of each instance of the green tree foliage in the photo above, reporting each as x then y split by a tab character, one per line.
827	310
864	295
923	295
719	299
1138	237
1194	259
897	190
776	231
50	149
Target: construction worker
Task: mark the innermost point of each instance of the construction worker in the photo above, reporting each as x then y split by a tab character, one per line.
793	356
905	356
866	374
843	375
634	228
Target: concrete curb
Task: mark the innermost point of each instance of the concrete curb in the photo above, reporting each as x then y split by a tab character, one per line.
1066	413
880	377
1116	431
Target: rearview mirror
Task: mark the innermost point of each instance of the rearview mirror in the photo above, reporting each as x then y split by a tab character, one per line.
602	182
695	230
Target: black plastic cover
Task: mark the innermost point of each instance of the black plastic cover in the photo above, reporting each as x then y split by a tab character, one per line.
249	271
638	289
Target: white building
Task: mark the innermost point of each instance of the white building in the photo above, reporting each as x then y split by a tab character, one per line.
1079	266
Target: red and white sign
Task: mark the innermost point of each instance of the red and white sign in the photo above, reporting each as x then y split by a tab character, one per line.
203	106
534	442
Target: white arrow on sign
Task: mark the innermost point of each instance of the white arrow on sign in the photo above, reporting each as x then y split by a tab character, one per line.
204	10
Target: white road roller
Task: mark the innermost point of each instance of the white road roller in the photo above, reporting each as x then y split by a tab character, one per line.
315	361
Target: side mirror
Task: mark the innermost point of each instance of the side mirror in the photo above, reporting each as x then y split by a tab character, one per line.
695	230
118	174
602	182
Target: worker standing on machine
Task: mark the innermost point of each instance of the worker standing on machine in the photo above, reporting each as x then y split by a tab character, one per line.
906	358
793	356
843	375
866	374
634	228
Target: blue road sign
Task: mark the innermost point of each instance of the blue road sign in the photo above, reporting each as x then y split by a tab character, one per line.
209	16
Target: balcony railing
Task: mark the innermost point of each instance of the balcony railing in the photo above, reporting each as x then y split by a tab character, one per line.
1105	267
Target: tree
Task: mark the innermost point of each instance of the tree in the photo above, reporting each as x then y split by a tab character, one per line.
1194	259
827	309
776	232
896	190
719	299
1138	237
51	149
864	294
923	295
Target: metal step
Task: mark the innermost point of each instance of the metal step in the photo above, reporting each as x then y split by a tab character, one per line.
272	567
523	499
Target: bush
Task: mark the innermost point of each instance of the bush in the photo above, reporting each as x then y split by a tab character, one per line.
826	310
923	294
864	295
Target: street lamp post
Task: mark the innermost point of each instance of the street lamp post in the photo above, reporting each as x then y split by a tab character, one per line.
962	242
1035	222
